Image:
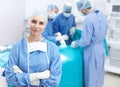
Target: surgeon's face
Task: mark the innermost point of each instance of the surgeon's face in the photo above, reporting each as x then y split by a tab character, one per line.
37	25
83	12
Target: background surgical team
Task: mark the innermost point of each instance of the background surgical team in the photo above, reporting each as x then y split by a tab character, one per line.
60	26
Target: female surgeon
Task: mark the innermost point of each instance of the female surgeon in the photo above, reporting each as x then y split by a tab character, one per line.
94	32
34	61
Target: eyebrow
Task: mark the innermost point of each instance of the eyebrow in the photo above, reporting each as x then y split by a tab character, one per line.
41	22
35	21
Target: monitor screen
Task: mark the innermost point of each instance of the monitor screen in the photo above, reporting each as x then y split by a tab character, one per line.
116	8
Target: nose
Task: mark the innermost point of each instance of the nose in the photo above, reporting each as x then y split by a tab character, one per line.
37	25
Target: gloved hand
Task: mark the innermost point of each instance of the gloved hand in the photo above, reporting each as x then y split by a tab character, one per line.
35	83
58	38
40	75
61	37
35	77
44	75
17	69
62	42
64	37
72	31
58	34
73	44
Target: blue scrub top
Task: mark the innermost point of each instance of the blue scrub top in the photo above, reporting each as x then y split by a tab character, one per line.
38	62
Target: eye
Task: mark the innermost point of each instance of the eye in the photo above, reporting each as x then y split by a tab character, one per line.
67	12
41	23
34	21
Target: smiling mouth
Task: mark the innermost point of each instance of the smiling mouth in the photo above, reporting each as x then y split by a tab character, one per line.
35	30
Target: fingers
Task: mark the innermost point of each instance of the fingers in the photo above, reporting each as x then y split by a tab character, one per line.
46	73
65	37
62	42
73	44
58	34
17	69
35	83
72	31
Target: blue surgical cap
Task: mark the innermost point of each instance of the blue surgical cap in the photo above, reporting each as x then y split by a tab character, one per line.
67	8
83	4
50	7
56	7
39	13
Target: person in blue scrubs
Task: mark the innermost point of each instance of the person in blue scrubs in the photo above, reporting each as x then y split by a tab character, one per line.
52	11
92	41
64	22
56	10
48	32
34	61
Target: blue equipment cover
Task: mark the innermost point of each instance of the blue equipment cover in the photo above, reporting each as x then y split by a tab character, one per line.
4	58
72	67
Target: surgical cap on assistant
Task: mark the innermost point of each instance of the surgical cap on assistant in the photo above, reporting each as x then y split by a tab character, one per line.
50	7
67	7
55	7
83	4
